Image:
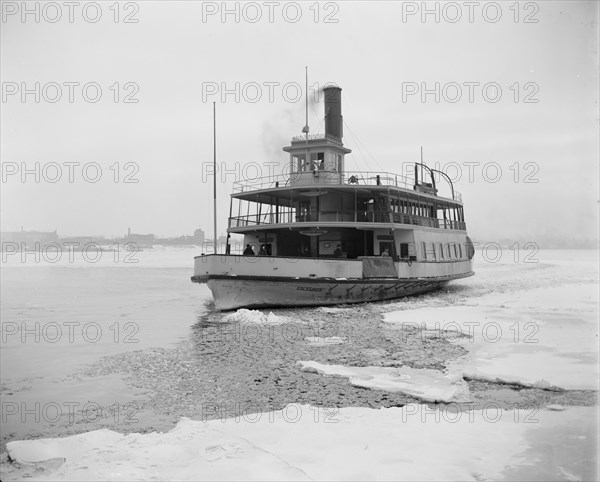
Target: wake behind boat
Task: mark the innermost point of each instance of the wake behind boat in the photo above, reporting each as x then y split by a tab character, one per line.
322	235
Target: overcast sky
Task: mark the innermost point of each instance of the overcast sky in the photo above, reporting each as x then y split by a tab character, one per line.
542	126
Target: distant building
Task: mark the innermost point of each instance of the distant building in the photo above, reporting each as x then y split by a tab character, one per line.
196	238
140	240
29	238
199	236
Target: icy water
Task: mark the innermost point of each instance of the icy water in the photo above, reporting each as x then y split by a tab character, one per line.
137	347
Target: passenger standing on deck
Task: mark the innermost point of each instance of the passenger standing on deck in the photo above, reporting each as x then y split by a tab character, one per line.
385	253
263	250
248	251
338	252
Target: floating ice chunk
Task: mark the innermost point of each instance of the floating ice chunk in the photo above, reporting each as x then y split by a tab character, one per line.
326	309
324	341
254	317
274	319
423	384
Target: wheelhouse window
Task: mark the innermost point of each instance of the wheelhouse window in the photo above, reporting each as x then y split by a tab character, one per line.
317	161
299	163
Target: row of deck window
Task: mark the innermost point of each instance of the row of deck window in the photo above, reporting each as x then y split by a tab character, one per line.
438	251
448	213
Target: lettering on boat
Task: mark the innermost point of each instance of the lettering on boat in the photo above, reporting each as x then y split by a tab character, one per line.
309	288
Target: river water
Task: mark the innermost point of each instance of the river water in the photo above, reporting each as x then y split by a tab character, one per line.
137	346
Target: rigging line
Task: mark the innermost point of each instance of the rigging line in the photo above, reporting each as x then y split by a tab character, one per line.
349	101
358	146
315	113
320	124
359	143
373	157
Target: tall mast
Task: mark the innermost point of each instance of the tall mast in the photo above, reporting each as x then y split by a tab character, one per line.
306	129
422	178
215	176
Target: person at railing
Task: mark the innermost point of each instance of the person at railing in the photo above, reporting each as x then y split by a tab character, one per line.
263	250
385	254
353	180
249	251
338	252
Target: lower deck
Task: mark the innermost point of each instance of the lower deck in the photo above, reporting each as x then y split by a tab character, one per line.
279	267
400	243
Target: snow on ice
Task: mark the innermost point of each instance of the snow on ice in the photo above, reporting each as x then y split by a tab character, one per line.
254	317
543	337
423	384
301	443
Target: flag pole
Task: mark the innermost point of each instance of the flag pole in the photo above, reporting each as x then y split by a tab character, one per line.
215	176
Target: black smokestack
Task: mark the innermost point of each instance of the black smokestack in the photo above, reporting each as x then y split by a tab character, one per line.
333	112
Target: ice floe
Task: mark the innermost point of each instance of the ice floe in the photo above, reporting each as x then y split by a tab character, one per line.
254	317
423	384
300	442
544	337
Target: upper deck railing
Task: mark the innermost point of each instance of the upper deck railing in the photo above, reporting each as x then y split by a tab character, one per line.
315	137
291	216
355	178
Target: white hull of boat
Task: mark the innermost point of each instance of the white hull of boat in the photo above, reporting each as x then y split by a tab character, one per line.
231	292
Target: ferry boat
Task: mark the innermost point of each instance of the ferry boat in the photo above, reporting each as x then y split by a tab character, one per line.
321	235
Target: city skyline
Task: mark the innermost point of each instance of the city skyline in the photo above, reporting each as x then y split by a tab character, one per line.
514	123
